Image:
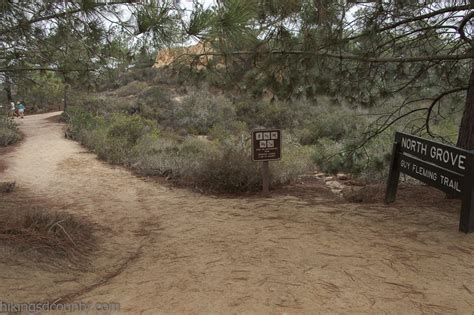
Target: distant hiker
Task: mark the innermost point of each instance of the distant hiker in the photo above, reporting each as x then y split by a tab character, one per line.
12	109
21	109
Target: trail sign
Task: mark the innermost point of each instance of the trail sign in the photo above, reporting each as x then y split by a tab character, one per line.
445	167
266	144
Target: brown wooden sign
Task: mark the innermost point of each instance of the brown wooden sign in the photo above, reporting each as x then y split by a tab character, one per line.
266	144
445	167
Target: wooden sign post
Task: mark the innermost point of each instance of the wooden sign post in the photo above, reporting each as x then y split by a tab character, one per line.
266	146
445	167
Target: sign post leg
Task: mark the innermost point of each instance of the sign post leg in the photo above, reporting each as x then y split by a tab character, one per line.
466	222
266	178
393	176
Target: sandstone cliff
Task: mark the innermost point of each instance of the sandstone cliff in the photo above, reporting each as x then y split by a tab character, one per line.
196	55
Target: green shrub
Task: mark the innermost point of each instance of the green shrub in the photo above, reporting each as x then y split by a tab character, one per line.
168	157
154	95
42	91
221	131
155	103
113	138
283	114
132	88
200	111
296	161
134	74
9	132
258	113
370	161
102	104
334	123
79	121
330	157
228	169
220	165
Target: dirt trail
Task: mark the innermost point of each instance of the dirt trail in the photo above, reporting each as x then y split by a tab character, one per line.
166	250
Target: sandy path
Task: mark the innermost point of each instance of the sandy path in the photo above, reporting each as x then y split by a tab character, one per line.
201	254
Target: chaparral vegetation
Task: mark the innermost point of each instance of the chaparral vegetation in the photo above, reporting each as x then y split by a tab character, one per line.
163	96
337	77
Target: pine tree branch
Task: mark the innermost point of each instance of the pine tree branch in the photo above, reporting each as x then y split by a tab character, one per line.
435	101
3	70
344	56
463	23
434	27
399	59
61	14
414	19
402	22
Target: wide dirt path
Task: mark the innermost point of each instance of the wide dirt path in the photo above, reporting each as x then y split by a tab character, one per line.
166	250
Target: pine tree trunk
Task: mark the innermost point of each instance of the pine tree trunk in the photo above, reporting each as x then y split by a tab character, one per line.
466	130
8	89
65	97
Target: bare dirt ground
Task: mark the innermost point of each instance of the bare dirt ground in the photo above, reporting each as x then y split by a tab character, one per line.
165	250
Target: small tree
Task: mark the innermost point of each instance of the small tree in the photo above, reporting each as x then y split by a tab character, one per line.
77	39
367	53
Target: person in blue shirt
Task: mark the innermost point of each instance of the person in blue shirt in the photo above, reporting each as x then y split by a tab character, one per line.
21	109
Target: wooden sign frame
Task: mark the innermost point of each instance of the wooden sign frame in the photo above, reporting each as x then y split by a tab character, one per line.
447	168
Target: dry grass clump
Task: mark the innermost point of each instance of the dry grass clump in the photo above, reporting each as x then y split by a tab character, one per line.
32	231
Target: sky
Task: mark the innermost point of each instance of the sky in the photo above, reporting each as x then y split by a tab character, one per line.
188	4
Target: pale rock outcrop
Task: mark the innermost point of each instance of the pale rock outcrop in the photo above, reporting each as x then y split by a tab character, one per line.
197	55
